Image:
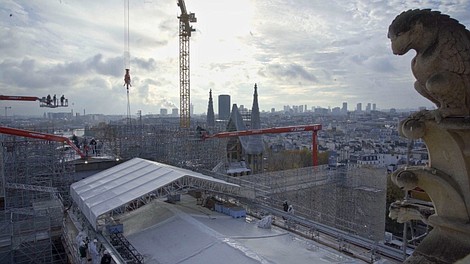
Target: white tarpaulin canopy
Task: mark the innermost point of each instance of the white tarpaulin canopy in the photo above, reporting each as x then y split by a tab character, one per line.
121	184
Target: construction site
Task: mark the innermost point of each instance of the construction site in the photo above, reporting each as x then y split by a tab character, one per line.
56	190
37	174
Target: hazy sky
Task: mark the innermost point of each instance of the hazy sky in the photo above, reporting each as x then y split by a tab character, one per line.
303	52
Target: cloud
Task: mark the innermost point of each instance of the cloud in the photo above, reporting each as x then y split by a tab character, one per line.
29	74
112	67
165	103
301	52
287	73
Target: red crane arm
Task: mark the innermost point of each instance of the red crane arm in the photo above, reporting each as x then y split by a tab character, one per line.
274	130
19	98
39	135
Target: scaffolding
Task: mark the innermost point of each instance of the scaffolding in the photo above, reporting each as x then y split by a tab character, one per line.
350	199
36	176
166	143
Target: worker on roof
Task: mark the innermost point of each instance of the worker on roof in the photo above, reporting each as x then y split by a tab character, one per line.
285	206
82	250
95	254
106	259
80	237
290	210
93	146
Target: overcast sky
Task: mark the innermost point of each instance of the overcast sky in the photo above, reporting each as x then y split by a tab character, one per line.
302	52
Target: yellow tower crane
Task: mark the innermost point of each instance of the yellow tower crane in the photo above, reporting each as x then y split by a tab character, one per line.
185	30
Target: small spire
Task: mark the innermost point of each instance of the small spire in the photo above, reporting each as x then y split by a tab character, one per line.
255	117
210	111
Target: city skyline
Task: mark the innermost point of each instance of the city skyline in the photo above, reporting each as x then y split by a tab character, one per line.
174	111
344	106
323	56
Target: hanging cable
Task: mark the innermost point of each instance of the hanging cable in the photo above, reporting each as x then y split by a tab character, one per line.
127	76
126	35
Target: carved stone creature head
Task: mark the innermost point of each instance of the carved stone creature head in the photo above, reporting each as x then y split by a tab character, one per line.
415	29
405	180
412	128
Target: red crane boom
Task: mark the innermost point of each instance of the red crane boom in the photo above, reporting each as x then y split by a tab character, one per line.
275	130
43	136
19	98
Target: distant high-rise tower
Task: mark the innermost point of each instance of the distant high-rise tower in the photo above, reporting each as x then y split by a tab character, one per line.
374	107
359	107
210	112
224	106
345	108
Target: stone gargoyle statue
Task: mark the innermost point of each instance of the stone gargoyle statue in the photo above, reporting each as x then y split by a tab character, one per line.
403	211
442	62
442	71
438	185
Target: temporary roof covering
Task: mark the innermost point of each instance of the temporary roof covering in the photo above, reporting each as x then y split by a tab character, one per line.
128	181
188	236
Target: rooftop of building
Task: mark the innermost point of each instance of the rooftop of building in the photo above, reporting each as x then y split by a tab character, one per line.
188	233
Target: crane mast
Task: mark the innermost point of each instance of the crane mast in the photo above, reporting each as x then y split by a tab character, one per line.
185	30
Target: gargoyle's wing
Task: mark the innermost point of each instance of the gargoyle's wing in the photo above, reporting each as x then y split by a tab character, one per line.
456	51
455	56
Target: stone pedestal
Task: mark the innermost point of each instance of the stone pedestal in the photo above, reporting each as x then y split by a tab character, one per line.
447	182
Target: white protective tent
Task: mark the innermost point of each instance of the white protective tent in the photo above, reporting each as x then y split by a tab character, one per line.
112	188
